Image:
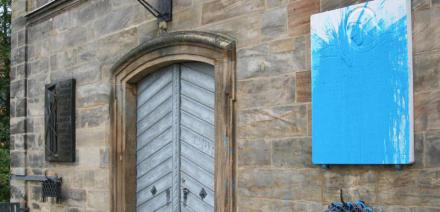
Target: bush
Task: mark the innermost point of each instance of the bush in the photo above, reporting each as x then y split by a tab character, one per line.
4	175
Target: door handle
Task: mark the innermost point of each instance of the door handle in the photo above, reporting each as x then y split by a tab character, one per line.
203	193
185	195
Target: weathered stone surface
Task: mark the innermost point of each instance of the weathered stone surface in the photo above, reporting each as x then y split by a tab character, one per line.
75	197
426	209
427	72
419	140
92	117
266	91
275	122
104	157
292	152
35	159
299	15
253	152
17	159
93	94
409	188
356	185
270	205
266	61
426	30
427	110
17	125
274	23
280	184
420	4
335	4
432	149
17	88
303	87
246	29
122	17
276	3
98	200
220	10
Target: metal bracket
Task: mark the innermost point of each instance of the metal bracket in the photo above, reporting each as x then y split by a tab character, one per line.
162	11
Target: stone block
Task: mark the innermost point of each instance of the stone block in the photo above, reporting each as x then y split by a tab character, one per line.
17	159
426	209
427	111
99	200
303	87
63	59
17	88
253	152
419	140
280	184
271	205
90	12
426	30
147	31
426	72
121	18
274	23
74	197
93	117
420	4
266	91
214	11
409	188
327	5
356	185
292	152
186	19
432	149
275	122
84	74
112	47
104	157
299	16
17	125
91	137
265	60
17	55
245	29
88	157
20	109
93	94
309	120
276	3
40	31
36	159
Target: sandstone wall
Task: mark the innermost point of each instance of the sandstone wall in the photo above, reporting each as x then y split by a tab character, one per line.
274	170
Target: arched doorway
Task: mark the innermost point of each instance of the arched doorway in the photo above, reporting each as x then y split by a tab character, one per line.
168	52
175	139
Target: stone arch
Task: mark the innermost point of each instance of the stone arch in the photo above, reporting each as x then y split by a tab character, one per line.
176	47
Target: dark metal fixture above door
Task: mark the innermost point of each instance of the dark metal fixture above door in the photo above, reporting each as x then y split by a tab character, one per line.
161	9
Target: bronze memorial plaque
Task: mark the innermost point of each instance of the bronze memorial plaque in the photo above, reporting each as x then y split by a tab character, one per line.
60	121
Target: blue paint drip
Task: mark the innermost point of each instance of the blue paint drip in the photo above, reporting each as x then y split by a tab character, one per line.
360	91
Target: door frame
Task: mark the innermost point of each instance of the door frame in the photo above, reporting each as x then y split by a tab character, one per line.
171	48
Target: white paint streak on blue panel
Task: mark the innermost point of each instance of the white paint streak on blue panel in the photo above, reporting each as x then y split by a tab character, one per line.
362	105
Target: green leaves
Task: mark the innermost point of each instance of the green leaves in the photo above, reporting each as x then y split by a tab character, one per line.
5	53
4	175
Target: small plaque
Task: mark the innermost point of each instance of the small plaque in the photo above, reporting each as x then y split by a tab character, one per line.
60	121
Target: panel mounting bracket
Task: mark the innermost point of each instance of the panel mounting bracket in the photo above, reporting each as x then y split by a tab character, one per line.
162	9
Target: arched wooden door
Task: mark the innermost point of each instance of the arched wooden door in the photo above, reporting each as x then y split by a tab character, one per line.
175	139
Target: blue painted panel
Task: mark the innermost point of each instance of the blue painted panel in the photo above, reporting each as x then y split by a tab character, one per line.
362	106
